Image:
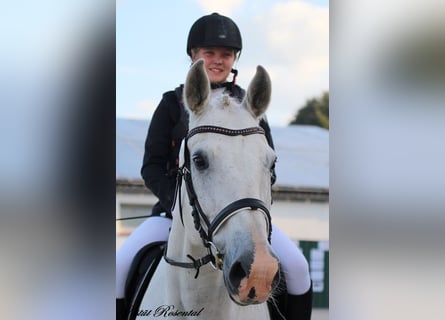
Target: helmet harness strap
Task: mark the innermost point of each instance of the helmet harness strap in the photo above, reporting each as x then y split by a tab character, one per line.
235	74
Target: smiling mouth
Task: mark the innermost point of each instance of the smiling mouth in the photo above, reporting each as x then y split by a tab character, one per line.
216	70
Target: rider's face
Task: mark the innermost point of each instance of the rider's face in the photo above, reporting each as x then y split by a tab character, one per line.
218	62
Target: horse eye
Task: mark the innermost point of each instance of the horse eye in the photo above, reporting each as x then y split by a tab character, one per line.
200	162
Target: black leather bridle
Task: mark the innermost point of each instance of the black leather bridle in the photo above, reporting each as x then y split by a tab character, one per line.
207	229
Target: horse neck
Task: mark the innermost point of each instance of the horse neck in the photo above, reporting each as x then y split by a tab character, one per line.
179	246
209	290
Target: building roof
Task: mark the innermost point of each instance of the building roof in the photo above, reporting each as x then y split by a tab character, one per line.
302	152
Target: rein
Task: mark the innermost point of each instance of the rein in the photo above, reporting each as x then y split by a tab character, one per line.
205	228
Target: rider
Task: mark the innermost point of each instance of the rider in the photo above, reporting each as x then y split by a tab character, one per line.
217	40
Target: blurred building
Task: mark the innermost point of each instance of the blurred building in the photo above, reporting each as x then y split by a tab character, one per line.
300	194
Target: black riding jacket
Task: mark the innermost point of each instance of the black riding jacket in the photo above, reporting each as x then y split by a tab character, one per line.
168	128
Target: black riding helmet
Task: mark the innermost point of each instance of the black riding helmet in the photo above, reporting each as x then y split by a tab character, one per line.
214	30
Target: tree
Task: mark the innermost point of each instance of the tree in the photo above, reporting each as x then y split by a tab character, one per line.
314	112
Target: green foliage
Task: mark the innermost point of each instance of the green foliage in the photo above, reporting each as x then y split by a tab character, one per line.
314	112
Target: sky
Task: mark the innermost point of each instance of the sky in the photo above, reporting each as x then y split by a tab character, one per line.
289	38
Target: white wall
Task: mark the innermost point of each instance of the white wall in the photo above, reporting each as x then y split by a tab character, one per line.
302	220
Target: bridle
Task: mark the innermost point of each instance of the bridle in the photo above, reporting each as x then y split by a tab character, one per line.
207	229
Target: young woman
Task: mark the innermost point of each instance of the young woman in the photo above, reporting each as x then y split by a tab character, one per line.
217	40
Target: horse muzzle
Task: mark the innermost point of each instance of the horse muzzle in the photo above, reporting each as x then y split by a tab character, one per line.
251	276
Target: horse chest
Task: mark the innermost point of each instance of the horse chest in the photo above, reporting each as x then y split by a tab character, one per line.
175	294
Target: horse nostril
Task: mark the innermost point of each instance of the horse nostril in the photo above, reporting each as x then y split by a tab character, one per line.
237	273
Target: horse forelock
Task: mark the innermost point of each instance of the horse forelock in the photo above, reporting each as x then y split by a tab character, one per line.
224	111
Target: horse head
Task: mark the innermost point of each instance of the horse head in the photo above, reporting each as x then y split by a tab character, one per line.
230	162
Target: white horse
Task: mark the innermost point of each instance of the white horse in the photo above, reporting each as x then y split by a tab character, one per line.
222	216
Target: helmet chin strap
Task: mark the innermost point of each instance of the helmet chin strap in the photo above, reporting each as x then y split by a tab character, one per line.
235	74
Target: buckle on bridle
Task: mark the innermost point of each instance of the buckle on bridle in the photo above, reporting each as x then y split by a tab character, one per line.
217	261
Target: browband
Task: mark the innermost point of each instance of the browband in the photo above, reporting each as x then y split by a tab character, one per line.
225	131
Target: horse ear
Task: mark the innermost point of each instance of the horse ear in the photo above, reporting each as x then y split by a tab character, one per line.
259	92
196	88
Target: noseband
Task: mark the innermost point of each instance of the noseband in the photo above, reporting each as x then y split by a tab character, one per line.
207	229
